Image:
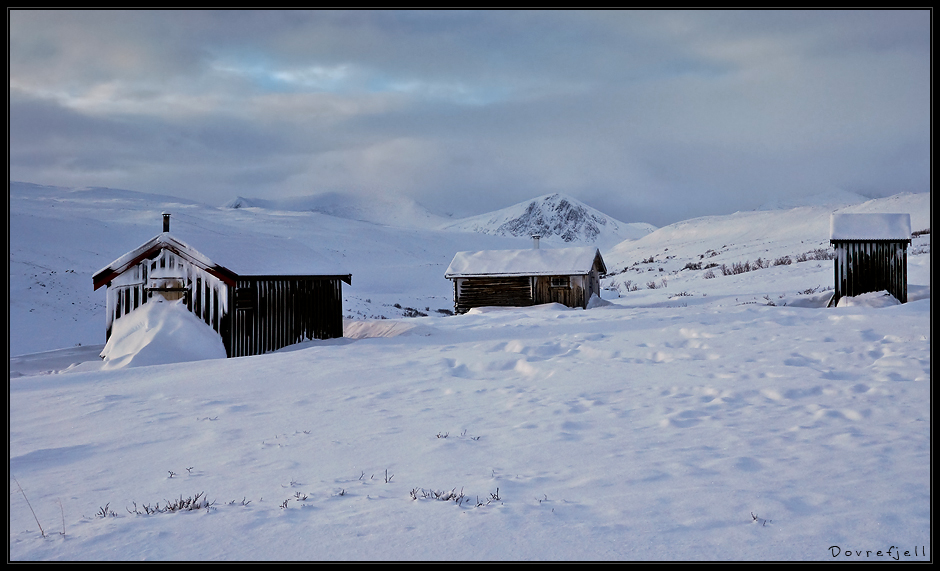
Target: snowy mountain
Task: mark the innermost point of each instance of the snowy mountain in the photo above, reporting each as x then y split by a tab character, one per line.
387	210
732	417
556	218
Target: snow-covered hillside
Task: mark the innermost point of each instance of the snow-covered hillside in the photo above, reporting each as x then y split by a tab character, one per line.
557	219
386	210
59	237
695	255
706	418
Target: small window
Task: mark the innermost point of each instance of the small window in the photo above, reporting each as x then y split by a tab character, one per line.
245	298
561	281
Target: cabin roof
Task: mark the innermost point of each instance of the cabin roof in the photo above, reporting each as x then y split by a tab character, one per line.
870	227
248	259
530	262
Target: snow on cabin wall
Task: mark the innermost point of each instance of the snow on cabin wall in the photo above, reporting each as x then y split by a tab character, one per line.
172	277
160	332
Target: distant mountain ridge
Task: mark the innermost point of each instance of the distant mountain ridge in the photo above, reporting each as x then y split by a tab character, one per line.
829	198
555	217
386	210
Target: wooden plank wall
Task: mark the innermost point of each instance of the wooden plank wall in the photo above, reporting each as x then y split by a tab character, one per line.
862	267
517	291
571	296
485	291
271	313
260	314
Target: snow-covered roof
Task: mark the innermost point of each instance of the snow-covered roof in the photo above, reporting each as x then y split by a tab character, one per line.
870	227
158	242
161	239
244	258
531	262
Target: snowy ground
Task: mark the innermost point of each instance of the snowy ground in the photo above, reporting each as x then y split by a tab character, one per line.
725	418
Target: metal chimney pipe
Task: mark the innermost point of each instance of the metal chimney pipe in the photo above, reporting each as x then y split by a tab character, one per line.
535	241
166	221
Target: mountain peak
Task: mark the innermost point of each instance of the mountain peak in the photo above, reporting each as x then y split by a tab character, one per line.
239	202
556	217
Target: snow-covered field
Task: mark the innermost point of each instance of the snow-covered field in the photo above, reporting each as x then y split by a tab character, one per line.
706	418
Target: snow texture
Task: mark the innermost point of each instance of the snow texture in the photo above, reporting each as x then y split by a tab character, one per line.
844	226
160	332
731	417
530	262
597	301
871	299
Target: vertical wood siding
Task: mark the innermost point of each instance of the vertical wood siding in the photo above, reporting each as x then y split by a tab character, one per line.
571	295
271	313
257	315
867	266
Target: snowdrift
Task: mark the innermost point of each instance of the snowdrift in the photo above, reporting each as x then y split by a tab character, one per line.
871	299
159	333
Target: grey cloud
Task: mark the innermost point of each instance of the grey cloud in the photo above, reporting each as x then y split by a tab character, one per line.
654	114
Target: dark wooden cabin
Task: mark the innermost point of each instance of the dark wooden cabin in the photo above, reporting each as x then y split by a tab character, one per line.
253	313
871	254
519	278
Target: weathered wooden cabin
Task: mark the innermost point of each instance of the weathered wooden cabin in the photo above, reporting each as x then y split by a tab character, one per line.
252	312
520	278
871	254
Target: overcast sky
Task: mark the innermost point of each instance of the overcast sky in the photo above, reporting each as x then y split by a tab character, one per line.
648	116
